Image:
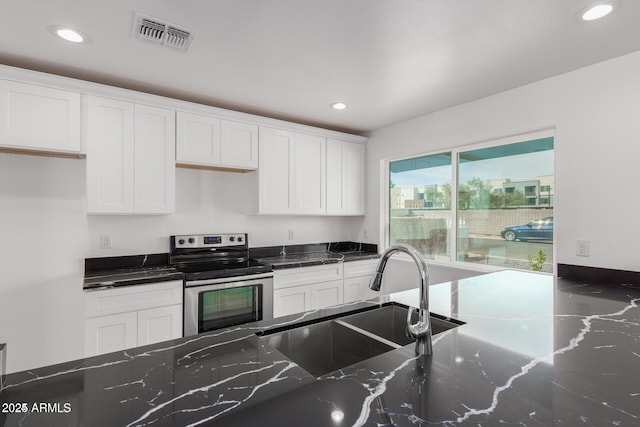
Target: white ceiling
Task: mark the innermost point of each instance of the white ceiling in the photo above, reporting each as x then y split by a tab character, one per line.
389	60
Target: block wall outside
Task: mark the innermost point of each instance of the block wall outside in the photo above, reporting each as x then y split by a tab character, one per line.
476	222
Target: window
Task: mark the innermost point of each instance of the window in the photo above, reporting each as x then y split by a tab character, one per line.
420	203
502	204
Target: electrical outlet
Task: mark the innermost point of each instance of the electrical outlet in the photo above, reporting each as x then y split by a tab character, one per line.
105	241
290	234
582	247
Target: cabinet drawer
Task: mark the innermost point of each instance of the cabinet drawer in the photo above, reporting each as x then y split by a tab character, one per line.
132	298
360	268
307	275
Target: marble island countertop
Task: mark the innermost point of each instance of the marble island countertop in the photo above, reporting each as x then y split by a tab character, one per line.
534	351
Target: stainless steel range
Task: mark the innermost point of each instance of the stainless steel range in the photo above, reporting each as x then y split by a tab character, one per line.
222	287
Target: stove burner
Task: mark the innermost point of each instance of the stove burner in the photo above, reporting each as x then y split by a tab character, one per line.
214	256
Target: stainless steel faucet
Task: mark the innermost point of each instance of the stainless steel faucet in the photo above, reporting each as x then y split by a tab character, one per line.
420	331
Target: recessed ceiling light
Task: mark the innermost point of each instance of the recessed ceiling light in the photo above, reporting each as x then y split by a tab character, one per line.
338	105
596	12
69	34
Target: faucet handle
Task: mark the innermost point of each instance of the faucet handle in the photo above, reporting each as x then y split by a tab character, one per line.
421	330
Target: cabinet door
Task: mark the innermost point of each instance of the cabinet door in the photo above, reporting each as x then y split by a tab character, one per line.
326	294
238	144
336	201
110	156
159	324
39	118
155	160
275	172
198	139
309	174
291	300
345	178
357	289
110	333
354	178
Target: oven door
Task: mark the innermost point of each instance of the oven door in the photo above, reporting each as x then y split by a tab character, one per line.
221	303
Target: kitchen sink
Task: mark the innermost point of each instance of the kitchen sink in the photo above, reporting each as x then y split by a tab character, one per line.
329	345
390	322
325	347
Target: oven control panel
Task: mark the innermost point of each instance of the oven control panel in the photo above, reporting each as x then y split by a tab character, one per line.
208	240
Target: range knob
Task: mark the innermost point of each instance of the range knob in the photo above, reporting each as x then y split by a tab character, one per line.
239	239
192	240
231	238
181	241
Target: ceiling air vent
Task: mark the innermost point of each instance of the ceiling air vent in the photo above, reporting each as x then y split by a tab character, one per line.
154	30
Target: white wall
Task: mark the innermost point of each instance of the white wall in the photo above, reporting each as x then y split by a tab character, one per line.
45	236
596	115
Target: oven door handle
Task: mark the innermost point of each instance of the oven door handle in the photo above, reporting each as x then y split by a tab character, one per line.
222	286
231	282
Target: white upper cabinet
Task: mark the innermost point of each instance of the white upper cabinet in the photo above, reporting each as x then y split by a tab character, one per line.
38	118
275	172
345	178
110	156
211	142
130	158
133	148
291	173
309	174
155	160
238	144
306	174
198	139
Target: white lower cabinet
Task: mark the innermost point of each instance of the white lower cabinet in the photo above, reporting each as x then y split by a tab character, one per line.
307	288
110	333
357	289
121	318
303	298
326	294
357	277
310	288
159	324
291	300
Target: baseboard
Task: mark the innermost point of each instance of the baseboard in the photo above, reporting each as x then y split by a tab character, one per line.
597	274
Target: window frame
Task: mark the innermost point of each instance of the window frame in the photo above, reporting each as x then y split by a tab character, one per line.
455	151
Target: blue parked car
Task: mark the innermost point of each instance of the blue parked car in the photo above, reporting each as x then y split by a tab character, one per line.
540	229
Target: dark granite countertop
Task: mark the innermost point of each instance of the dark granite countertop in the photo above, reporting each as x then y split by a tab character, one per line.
535	351
293	256
108	272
